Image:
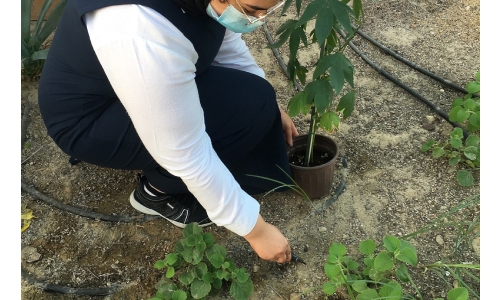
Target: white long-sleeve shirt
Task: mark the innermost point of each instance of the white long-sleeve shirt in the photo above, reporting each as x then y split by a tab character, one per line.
151	67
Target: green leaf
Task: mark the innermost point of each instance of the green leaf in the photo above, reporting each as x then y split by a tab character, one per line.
197	256
473	87
391	290
352	265
310	12
470	104
322	92
41	54
391	243
216	260
166	290
342	70
407	255
329	121
459	293
453	115
367	247
179	295
346	104
438	152
383	262
342	13
242	276
427	146
49	25
170	272
359	285
330	287
457	133
369	261
26	20
187	278
200	269
457	102
456	143
200	289
368	294
294	43
239	290
208	238
221	274
191	229
337	250
200	246
190	240
170	259
357	8
474	119
298	104
462	115
216	249
208	277
471	152
217	283
332	270
472	140
465	178
283	38
454	160
402	273
324	24
376	276
159	264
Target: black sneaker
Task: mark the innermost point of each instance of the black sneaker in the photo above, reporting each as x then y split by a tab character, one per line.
179	210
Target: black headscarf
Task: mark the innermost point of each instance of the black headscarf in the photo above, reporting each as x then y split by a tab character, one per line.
194	6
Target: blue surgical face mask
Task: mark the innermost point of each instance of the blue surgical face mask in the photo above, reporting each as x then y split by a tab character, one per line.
233	19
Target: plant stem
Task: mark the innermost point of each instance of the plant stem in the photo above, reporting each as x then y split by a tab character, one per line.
310	138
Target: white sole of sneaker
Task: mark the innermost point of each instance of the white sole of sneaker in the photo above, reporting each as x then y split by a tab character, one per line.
148	211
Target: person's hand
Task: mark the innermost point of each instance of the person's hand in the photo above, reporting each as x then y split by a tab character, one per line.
268	242
288	127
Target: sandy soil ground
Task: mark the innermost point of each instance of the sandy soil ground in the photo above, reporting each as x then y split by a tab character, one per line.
392	188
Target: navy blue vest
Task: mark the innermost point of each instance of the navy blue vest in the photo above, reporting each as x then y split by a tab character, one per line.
73	87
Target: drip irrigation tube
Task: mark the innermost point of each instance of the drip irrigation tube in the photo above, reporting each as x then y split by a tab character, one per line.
53	288
83	212
413	65
407	88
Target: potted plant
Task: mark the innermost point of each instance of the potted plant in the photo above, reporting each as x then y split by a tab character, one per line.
335	23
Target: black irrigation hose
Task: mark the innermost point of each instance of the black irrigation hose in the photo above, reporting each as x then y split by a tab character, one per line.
83	212
53	288
408	89
413	65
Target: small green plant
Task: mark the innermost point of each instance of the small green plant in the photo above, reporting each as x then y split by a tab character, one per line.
375	280
382	272
198	267
466	111
32	56
332	20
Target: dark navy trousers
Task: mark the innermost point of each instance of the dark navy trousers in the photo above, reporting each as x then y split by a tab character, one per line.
242	119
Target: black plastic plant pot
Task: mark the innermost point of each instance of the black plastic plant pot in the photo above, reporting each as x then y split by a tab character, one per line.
317	179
